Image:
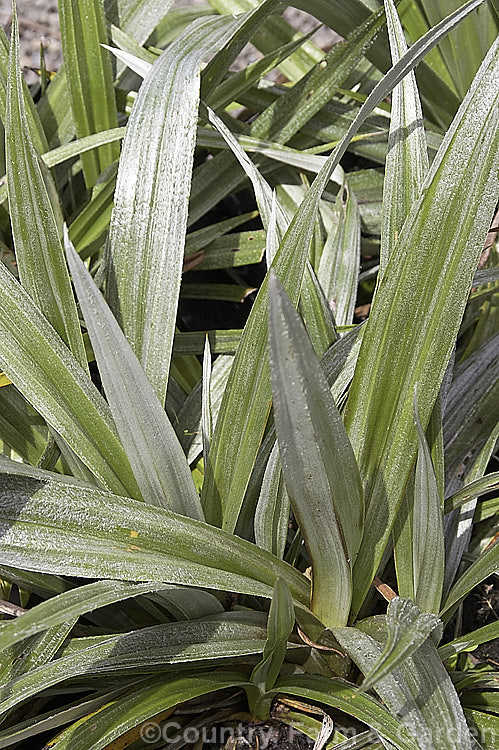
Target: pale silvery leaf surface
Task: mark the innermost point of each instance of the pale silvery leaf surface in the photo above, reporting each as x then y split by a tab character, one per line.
319	467
235	442
147	232
416	312
50	378
407	156
152	447
37	236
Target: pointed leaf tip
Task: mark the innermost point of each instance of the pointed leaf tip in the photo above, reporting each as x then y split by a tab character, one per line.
318	463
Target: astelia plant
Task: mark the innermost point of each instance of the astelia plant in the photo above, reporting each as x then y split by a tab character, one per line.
283	519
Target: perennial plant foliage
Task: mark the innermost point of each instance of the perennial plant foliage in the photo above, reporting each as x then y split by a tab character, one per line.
285	519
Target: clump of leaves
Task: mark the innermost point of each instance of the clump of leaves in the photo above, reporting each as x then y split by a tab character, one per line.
214	532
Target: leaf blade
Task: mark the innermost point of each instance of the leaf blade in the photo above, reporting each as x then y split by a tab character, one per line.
340	260
109	536
428	529
378	415
407	157
173	645
152	447
89	78
43	369
70	604
319	467
419	692
149	220
280	625
343	696
37	240
235	442
407	629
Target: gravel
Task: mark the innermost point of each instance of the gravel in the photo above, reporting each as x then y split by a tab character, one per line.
38	24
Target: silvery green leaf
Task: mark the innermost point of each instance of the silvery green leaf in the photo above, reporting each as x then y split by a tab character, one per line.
206	418
152	447
236	441
319	467
280	625
413	325
407	156
37	236
263	191
43	369
427	529
90	78
418	692
340	260
407	628
271	519
147	233
156	648
103	535
137	64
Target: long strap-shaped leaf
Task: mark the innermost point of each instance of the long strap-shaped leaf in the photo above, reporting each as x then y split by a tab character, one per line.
148	225
89	79
263	192
94	534
137	18
276	32
154	700
340	260
417	311
407	628
440	98
152	447
476	488
318	463
284	120
173	645
44	370
428	548
37	651
39	252
235	441
470	641
287	114
280	624
246	401
70	604
407	156
34	124
271	517
219	65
